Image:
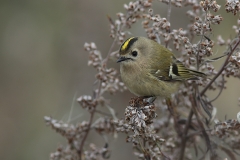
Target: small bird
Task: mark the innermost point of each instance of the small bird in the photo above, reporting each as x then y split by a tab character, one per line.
148	69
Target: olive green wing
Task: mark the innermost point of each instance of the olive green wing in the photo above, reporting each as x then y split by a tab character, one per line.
171	69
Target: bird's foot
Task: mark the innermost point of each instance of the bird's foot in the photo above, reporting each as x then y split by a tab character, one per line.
148	99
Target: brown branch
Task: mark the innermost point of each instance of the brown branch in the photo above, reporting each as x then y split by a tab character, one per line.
90	122
221	89
175	116
86	134
97	95
222	68
184	136
205	135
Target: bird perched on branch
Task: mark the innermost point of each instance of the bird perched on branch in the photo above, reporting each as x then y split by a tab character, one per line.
149	69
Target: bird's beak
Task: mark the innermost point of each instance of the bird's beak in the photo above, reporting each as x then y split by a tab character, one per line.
122	59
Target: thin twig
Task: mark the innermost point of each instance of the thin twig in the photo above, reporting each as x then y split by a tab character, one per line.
103	113
174	115
197	133
104	62
205	108
202	35
205	135
86	134
184	136
162	152
96	98
169	11
71	110
222	68
221	89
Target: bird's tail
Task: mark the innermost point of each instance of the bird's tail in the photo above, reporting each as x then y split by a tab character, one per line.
187	74
197	73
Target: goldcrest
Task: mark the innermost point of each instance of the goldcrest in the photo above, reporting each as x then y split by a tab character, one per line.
149	69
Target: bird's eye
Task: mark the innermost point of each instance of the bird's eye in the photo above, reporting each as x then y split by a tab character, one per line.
134	53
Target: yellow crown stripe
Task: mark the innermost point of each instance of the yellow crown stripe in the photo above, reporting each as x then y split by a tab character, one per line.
125	44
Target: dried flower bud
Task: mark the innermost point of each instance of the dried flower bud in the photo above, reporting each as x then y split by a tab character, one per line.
232	6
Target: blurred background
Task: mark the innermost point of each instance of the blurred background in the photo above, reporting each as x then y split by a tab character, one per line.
43	69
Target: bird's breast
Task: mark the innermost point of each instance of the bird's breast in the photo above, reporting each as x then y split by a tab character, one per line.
133	78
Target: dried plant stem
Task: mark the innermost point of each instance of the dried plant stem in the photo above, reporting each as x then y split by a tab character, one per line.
205	135
184	136
109	52
171	136
222	68
169	11
86	134
221	89
173	112
98	94
197	57
103	113
90	122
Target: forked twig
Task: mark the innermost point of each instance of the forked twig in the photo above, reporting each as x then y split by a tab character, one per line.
222	68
